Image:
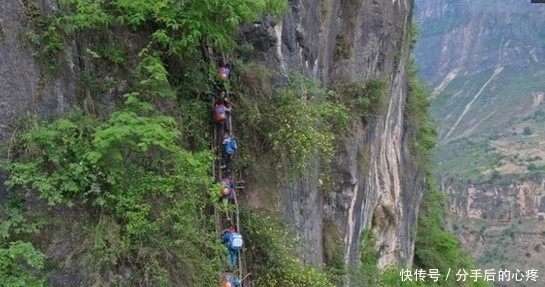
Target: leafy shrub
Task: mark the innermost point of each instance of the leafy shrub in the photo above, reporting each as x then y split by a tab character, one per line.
364	98
20	261
333	253
368	274
169	36
299	128
149	195
271	253
297	123
423	129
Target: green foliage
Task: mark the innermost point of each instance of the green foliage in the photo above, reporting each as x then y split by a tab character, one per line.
435	247
179	26
477	158
413	34
301	126
195	116
176	28
20	261
46	38
270	251
297	123
368	274
343	50
150	196
364	98
333	253
419	119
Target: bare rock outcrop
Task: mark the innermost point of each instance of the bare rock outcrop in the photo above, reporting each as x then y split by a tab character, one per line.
497	203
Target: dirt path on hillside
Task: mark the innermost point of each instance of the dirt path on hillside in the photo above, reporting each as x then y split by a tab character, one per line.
448	78
468	106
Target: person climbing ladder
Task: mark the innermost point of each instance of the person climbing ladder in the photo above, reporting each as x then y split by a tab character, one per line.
221	117
230	280
229	148
233	241
227	191
226	146
224	74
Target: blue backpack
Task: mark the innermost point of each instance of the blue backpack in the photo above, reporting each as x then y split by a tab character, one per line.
236	242
230	146
233	144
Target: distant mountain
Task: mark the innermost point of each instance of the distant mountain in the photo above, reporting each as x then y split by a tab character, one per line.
485	61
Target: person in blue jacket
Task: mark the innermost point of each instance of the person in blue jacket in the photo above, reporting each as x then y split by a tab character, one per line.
229	148
233	241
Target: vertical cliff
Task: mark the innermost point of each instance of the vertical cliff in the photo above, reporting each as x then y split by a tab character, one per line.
375	184
26	86
378	183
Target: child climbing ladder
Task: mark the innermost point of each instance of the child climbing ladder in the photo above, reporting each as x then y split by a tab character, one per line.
226	146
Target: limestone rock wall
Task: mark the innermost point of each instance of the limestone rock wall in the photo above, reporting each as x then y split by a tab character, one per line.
376	186
467	37
495	202
25	88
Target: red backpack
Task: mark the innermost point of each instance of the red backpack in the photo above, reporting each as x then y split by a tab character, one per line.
224	73
220	113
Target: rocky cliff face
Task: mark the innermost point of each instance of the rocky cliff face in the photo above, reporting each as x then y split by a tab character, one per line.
25	90
497	203
376	186
501	223
467	37
24	87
